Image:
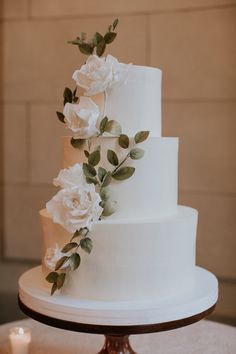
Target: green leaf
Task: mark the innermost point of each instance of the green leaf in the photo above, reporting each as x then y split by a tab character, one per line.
82	36
82	232
60	262
76	41
77	143
109	37
101	173
123	173
86	153
136	153
54	288
124	141
86	48
89	171
113	127
94	158
67	94
109	207
61	117
103	124
106	180
86	244
115	23
74	97
74	261
98	38
100	48
52	277
141	136
69	247
60	280
105	193
91	180
112	157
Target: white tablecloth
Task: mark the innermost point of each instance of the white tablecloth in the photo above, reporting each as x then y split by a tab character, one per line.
204	337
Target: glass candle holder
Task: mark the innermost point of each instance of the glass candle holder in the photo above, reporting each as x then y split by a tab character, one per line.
20	338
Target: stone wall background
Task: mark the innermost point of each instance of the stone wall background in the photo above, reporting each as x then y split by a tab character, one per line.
193	42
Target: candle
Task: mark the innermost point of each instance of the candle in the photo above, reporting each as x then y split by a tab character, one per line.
20	338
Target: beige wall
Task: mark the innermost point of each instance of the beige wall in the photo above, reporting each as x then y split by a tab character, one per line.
192	41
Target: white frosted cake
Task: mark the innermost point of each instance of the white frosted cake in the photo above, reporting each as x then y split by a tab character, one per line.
145	249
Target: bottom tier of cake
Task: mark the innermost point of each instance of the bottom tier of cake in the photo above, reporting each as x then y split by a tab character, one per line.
131	259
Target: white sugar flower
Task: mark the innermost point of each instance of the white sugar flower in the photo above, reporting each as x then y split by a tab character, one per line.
98	74
82	118
76	207
70	177
53	254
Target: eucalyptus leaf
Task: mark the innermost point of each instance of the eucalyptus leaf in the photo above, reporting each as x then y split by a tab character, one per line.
113	127
86	153
106	180
82	36
123	173
81	232
101	173
141	136
52	277
109	37
74	261
91	180
60	262
97	39
105	193
68	95
54	288
109	207
60	280
69	246
77	143
115	23
136	153
86	244
86	48
124	141
61	117
89	170
103	124
76	41
94	158
100	48
112	157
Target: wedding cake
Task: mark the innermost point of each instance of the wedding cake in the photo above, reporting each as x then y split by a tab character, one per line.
114	231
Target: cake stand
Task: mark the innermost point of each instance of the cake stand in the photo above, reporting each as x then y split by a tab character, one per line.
117	320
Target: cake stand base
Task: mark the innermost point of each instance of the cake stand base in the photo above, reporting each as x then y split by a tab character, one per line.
117	344
117	320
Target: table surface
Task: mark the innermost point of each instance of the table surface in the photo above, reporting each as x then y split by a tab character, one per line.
203	337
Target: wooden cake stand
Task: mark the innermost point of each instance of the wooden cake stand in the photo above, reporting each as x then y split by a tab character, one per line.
117	320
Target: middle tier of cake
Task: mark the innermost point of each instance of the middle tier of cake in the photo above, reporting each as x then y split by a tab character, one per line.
152	191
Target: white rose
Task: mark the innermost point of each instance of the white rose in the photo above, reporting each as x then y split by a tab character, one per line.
82	118
70	177
98	74
53	254
76	207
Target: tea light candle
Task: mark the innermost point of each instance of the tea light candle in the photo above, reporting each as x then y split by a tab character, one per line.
20	338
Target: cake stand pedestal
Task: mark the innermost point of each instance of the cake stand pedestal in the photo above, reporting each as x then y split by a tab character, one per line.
117	320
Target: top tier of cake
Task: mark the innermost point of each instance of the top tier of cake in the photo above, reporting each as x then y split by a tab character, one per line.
136	102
